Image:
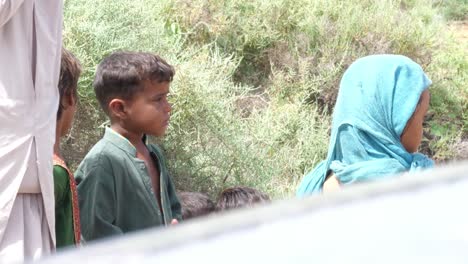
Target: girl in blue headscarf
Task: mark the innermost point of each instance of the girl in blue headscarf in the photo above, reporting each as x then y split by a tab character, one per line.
377	124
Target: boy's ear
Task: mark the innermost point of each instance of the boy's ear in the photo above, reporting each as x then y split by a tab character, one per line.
117	108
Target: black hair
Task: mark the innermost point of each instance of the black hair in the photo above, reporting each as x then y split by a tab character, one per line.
195	204
70	70
237	197
121	74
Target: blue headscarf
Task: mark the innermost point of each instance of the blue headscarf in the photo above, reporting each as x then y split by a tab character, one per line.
378	95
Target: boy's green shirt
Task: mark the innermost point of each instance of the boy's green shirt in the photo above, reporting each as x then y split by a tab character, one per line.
115	191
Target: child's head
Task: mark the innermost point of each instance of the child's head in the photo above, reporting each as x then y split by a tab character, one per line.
70	70
382	101
195	204
132	88
237	197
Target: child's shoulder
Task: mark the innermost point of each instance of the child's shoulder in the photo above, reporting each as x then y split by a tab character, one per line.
60	172
104	158
103	152
60	168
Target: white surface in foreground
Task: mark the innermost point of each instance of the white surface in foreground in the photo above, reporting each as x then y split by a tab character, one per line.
429	226
420	219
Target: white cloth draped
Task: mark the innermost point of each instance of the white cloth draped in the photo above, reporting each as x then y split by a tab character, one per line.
30	48
27	234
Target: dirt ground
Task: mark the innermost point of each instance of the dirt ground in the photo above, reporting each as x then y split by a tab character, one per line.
460	31
461	150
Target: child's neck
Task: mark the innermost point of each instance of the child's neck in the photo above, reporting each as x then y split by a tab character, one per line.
134	138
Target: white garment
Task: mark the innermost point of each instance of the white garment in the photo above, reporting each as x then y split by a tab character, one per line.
30	50
27	233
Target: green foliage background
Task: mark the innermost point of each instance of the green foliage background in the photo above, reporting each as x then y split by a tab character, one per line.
257	79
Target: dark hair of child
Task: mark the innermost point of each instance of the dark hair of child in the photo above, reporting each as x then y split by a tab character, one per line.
238	197
195	204
121	75
70	70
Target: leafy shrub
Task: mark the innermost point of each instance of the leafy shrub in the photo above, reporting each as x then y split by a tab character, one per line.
256	80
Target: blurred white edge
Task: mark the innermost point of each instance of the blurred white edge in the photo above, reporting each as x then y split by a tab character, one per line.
218	224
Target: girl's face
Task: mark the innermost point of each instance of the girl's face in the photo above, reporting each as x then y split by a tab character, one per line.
413	132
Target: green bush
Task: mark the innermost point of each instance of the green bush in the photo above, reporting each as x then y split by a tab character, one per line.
256	80
453	9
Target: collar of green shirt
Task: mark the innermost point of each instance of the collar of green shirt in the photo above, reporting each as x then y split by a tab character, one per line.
120	141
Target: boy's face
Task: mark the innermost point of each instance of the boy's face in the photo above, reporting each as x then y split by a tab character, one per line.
148	112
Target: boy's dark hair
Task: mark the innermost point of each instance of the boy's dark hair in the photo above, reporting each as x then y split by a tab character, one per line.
237	197
121	75
70	70
195	204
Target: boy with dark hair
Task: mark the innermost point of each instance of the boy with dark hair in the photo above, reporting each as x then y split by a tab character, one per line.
123	183
67	219
238	197
195	204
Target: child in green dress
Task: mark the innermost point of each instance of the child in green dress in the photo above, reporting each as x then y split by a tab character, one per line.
67	220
